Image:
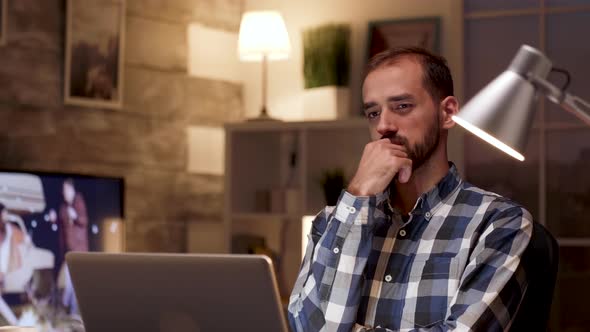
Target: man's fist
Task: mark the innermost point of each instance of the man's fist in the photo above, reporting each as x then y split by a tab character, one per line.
72	213
380	162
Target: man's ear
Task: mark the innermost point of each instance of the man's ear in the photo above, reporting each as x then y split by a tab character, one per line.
448	107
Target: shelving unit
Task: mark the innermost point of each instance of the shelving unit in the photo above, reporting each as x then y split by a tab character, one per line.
273	172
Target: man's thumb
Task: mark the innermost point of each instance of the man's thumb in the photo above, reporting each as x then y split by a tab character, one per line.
404	174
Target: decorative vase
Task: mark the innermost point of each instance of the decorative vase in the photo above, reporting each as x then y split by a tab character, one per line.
326	103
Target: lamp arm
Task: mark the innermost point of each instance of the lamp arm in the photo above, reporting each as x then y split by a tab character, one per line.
573	104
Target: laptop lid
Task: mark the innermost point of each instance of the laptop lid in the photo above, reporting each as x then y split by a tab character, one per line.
176	292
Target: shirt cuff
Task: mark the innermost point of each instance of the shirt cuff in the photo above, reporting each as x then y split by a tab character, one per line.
356	210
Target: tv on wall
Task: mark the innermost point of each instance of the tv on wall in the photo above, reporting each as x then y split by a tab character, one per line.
43	216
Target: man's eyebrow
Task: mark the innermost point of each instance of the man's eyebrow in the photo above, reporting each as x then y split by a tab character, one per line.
402	97
368	105
398	98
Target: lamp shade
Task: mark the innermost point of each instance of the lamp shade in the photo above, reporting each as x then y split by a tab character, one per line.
263	33
502	113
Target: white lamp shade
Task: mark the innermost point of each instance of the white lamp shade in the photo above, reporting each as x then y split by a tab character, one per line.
263	33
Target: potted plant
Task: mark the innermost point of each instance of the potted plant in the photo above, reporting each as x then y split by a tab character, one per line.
326	69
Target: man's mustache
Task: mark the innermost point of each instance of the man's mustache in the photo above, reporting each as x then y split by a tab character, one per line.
396	139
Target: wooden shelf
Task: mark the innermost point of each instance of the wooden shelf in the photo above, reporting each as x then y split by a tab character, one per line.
264	216
573	242
574	275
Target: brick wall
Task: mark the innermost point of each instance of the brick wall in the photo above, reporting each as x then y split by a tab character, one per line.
146	141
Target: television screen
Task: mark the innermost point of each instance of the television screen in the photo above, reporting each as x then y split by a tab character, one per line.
43	216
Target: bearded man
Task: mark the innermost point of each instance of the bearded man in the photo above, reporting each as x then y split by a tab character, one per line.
410	246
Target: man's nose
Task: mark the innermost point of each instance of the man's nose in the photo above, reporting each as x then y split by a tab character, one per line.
387	123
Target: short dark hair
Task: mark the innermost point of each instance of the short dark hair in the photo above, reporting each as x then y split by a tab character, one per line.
437	78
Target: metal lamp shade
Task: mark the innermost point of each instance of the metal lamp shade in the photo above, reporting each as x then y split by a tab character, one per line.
502	113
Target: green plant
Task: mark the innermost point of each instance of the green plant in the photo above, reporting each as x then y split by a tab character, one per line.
332	181
326	55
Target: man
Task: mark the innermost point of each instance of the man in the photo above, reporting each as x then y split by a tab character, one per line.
73	225
410	246
10	259
12	239
73	219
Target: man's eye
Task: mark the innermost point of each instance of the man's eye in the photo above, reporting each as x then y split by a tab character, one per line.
404	107
372	114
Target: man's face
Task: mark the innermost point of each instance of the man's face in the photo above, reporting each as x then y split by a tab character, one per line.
398	107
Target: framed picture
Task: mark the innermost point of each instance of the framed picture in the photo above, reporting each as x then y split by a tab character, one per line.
95	40
422	32
3	5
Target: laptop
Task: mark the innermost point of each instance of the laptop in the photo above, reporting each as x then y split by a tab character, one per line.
176	292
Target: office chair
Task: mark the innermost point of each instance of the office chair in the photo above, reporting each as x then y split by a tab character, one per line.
540	261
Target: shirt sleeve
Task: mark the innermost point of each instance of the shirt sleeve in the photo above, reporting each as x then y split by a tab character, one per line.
328	289
494	282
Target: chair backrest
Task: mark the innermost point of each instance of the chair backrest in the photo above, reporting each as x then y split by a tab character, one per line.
540	261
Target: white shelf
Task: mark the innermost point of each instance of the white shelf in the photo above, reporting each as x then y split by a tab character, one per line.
281	126
258	162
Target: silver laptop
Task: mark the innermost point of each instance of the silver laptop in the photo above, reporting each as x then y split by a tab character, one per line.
176	292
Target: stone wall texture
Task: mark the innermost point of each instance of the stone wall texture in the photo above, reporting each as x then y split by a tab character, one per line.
145	142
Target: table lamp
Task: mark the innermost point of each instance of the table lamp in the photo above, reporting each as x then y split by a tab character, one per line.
502	113
263	37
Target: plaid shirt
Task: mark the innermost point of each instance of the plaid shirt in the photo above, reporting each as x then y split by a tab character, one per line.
454	265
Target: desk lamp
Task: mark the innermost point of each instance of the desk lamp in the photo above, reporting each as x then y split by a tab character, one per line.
263	37
502	113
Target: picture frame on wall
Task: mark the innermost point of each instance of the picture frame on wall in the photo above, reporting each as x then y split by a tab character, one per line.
94	54
423	32
3	9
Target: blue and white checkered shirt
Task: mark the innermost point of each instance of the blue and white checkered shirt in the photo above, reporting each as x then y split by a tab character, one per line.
454	265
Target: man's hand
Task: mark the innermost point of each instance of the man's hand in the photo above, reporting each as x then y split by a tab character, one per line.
380	162
72	213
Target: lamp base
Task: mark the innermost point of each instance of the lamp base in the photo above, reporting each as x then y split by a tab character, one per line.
262	117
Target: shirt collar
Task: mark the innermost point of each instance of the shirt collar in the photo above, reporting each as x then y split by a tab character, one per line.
437	194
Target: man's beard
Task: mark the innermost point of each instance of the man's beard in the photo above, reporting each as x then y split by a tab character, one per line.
420	153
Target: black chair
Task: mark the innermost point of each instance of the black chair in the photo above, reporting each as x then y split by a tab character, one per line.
540	261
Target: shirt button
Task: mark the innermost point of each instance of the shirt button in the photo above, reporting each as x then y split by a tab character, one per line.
352	209
402	232
388	278
336	250
428	215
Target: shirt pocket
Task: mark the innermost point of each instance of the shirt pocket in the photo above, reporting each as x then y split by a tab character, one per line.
436	267
431	285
